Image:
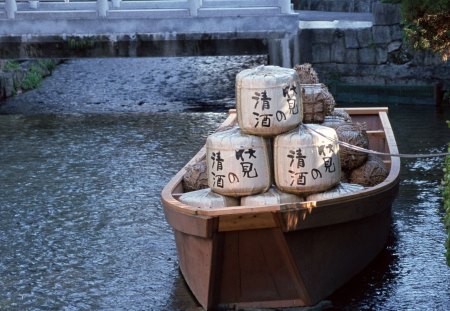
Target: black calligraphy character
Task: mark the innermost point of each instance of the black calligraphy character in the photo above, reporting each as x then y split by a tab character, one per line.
286	91
315	173
239	154
247	169
301	178
217	160
265	122
291	155
251	153
293	88
330	148
232	178
256	98
300	158
219	180
280	115
265	100
257	118
297	154
322	150
329	165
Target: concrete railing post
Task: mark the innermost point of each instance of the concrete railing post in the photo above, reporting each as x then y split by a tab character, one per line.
116	4
33	4
194	5
285	6
102	8
11	8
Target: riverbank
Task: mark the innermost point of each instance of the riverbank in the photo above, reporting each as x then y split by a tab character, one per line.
17	77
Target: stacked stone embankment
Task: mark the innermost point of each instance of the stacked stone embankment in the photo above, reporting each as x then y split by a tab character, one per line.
372	55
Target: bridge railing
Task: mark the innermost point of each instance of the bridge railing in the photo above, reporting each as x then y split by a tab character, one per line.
35	9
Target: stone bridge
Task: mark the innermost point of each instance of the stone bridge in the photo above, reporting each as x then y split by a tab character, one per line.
124	28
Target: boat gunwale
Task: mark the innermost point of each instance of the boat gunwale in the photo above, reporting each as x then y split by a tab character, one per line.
391	181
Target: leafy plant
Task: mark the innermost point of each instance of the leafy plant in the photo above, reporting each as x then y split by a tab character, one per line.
427	24
47	63
33	78
11	65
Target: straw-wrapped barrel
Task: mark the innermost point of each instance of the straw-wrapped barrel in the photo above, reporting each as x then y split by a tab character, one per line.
305	161
268	100
238	164
206	198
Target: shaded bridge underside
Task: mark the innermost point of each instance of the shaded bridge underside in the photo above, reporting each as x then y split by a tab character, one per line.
131	45
241	35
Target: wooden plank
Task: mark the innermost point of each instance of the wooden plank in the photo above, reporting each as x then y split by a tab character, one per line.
258	271
197	225
197	263
246	221
392	146
377	133
353	207
365	110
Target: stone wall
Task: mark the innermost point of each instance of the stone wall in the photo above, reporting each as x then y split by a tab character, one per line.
372	55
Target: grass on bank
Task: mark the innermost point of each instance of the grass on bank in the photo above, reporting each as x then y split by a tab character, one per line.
35	71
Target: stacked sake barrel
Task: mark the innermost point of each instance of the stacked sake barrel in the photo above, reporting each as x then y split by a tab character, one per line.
270	157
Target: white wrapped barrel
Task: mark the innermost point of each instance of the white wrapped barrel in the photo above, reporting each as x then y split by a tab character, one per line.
336	192
268	100
271	197
238	164
206	198
305	161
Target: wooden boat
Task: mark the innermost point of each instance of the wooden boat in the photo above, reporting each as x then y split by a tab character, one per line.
283	255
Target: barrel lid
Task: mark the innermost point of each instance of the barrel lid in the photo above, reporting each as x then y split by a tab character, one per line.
236	138
265	77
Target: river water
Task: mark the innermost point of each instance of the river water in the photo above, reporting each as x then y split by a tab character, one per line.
83	161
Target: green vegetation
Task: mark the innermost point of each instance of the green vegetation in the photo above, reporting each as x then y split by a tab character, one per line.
446	194
47	64
11	65
427	24
80	43
33	78
27	75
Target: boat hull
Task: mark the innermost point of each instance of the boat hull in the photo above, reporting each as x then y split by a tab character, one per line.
282	256
274	267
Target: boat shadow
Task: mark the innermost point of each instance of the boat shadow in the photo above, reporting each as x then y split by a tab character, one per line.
374	284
